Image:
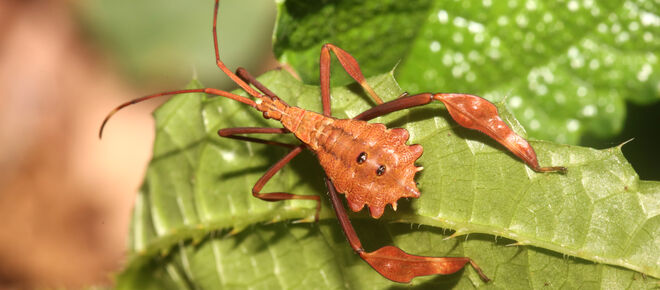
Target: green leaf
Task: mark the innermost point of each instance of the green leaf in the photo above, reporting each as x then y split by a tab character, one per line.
196	225
567	66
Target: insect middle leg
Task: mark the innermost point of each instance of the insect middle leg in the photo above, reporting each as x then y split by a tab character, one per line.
278	196
350	65
271	196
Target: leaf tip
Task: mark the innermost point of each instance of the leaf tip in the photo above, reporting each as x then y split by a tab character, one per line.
519	243
624	143
457	233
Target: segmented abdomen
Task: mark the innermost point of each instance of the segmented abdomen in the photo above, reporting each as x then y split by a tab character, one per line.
369	163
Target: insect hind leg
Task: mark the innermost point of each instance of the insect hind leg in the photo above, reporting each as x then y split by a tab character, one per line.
392	262
471	112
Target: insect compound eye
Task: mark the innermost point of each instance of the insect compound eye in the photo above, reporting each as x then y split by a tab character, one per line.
362	158
381	170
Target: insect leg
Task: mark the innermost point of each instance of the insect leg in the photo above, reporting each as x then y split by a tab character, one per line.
278	196
232	132
248	78
471	112
352	68
221	65
392	262
401	103
479	114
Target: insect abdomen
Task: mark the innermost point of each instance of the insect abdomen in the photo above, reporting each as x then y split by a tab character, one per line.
387	170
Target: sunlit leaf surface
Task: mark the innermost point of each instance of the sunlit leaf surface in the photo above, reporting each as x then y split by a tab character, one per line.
196	225
566	66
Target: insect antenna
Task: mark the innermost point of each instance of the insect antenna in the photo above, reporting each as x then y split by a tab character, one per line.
245	86
209	91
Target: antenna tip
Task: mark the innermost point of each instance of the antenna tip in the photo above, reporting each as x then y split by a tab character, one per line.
105	121
101	130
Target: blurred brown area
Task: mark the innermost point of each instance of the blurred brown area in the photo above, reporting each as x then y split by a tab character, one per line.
65	196
64	199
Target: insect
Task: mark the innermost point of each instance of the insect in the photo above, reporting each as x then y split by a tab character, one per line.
367	162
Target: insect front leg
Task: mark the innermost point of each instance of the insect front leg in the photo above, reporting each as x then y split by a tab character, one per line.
248	78
246	87
279	196
392	262
470	112
233	132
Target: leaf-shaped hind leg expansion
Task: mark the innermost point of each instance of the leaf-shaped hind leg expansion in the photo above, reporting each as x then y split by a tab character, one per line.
470	112
278	196
392	262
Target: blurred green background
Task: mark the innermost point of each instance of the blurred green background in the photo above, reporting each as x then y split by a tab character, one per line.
171	41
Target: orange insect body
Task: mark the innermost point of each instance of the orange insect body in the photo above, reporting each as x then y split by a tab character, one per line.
370	164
